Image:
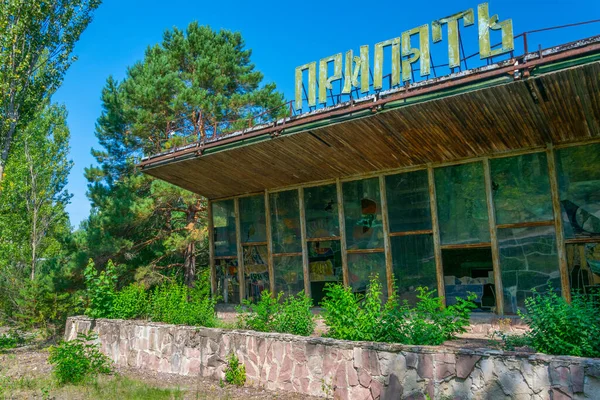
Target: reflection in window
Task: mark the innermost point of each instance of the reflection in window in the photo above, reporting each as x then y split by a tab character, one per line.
528	261
256	271
228	285
462	207
224	228
521	189
252	219
324	266
408	201
289	276
414	265
362	266
583	260
322	218
285	222
364	228
578	170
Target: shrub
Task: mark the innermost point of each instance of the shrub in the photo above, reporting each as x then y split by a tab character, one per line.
77	360
100	290
271	314
235	372
11	339
130	303
175	303
558	327
357	317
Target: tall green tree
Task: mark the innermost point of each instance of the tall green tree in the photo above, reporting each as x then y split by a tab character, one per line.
185	86
36	42
33	220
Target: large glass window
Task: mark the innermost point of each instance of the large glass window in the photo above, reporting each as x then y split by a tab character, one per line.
228	285
578	170
322	218
468	270
583	260
521	189
324	266
362	210
289	276
414	264
285	222
362	266
408	201
256	271
528	261
252	219
462	206
224	228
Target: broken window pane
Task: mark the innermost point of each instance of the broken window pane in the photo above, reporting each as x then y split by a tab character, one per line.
362	210
228	285
408	201
528	260
252	219
324	266
578	170
414	265
289	276
462	206
285	222
521	188
362	266
224	228
322	218
256	271
583	260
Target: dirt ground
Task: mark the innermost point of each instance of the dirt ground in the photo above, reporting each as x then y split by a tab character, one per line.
26	374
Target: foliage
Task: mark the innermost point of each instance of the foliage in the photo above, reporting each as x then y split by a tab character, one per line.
512	342
11	340
272	314
558	327
176	303
130	303
235	372
357	317
77	360
36	42
183	85
100	290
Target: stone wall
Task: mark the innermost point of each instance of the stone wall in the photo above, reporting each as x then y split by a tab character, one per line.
343	369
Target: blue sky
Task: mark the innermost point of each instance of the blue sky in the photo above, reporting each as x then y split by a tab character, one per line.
282	36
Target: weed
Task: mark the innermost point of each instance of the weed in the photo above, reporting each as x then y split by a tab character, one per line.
235	373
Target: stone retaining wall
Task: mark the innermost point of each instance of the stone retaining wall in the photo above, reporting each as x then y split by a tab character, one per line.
343	369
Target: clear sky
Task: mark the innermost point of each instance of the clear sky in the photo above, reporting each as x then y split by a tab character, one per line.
282	35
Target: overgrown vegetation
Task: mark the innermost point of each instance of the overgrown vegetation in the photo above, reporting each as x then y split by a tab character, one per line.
11	339
355	317
235	372
274	314
77	360
557	327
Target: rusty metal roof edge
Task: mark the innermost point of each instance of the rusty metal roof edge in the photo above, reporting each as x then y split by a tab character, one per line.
543	56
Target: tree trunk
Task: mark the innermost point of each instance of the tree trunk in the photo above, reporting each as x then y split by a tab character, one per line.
189	263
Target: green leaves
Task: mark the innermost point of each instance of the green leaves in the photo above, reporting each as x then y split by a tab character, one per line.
100	290
357	317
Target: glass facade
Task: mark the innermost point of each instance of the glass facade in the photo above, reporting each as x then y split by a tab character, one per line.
224	228
522	201
461	204
362	211
285	222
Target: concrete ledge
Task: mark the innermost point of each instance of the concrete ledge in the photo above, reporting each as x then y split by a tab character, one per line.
345	369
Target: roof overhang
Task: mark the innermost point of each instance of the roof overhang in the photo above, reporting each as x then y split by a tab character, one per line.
541	98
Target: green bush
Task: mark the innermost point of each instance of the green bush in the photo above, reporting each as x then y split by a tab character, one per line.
558	327
130	303
11	339
235	372
100	290
271	314
357	317
175	303
77	360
